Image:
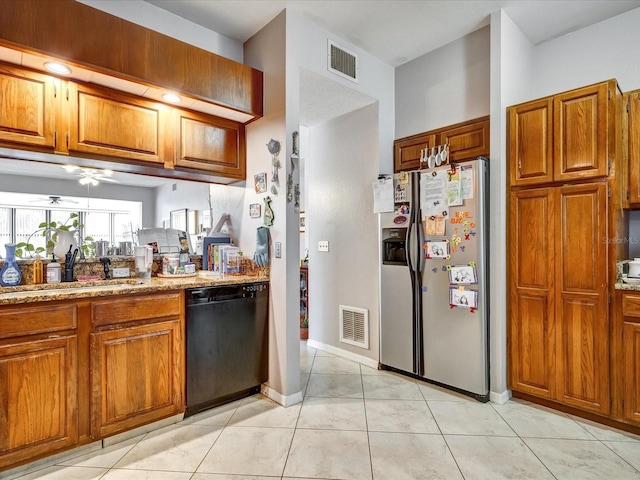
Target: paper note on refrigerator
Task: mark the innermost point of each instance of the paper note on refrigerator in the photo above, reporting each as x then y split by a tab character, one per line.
433	199
383	194
466	178
454	188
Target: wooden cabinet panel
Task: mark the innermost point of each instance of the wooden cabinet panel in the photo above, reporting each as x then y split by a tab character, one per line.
633	105
631	307
408	151
531	308
581	132
38	385
210	144
27	108
530	136
135	308
104	122
466	141
632	371
136	376
582	297
37	319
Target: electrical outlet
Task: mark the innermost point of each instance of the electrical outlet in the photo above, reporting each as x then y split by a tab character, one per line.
323	246
120	272
278	249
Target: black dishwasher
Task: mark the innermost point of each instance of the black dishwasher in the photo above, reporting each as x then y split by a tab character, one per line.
227	343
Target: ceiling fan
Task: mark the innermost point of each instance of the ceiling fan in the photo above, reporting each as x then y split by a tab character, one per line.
90	176
53	200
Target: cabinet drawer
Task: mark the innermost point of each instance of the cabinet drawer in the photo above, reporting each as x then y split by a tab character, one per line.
631	306
37	319
135	308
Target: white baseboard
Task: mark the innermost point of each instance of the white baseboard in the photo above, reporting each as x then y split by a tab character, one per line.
500	398
343	353
284	400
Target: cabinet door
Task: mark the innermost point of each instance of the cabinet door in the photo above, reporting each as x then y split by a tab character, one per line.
38	407
466	142
210	144
105	122
632	370
531	336
27	108
581	126
633	104
407	151
582	297
135	376
530	137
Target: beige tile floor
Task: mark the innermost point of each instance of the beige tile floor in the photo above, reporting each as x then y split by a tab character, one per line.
356	423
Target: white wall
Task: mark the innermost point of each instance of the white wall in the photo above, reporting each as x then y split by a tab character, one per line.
511	80
266	51
443	87
155	18
599	52
340	210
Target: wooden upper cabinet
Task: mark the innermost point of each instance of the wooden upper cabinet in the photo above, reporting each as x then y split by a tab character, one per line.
408	151
582	296
581	120
530	150
531	328
209	144
105	122
564	137
38	411
27	109
633	122
466	141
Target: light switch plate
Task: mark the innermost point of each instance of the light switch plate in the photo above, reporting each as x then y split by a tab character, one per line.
278	249
120	272
323	246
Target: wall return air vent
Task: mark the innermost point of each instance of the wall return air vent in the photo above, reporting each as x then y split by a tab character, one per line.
354	326
342	62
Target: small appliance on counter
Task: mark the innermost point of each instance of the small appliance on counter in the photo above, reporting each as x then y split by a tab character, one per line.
634	268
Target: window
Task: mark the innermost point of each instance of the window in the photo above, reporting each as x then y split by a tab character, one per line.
110	220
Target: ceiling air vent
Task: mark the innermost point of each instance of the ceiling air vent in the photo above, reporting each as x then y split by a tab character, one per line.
354	326
342	62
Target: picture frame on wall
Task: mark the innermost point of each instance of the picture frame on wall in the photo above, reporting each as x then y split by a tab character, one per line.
260	180
303	222
178	219
255	210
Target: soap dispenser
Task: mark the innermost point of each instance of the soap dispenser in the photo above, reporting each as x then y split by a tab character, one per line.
10	275
53	271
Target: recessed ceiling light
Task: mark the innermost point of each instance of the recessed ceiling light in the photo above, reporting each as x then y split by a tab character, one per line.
57	68
171	98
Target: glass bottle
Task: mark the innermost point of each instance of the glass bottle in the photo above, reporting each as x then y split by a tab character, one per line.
10	275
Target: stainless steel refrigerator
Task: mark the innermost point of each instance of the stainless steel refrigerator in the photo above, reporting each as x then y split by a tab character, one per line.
434	277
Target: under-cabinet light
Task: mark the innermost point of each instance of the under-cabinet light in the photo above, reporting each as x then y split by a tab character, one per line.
57	68
171	98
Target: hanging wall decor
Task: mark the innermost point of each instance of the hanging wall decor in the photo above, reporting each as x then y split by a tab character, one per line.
274	149
268	217
260	180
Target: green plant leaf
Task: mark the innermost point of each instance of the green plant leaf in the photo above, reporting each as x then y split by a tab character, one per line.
29	247
21	245
88	239
43	225
73	215
53	224
18	252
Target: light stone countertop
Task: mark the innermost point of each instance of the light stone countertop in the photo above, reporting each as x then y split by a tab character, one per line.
626	286
101	288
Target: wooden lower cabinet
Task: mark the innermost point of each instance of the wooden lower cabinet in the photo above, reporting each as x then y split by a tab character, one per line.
558	311
76	371
38	404
627	356
135	376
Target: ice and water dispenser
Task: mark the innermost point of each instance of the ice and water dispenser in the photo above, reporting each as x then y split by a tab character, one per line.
393	246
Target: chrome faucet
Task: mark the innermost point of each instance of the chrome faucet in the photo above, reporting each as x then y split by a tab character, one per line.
69	263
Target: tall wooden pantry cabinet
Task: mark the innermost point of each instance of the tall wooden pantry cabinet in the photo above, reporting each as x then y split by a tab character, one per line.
563	199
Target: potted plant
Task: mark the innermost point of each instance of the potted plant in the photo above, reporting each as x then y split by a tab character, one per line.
64	235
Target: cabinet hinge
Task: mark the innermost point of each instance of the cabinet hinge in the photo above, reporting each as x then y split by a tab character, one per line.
610	403
67	137
609	94
623	404
628	107
608	191
609	162
55	91
610	298
55	139
67	94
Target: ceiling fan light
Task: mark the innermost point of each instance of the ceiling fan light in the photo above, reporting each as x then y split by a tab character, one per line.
88	181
